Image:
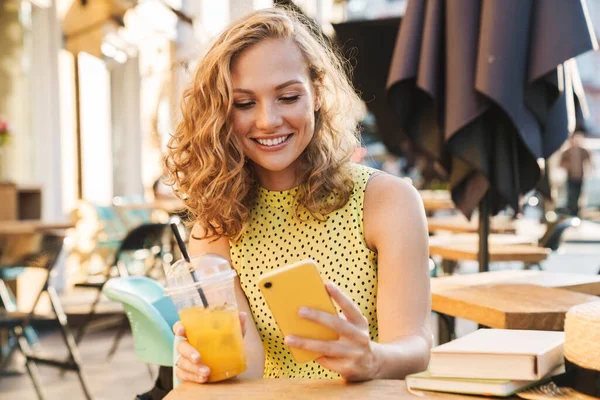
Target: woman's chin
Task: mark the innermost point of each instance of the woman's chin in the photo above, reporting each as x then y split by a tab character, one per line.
274	166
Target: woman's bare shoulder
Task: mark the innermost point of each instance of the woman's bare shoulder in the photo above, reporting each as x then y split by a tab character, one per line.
391	192
200	245
392	207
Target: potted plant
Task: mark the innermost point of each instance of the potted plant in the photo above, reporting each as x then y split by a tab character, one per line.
4	138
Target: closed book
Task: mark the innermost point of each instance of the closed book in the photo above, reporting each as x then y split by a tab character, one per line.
499	354
486	387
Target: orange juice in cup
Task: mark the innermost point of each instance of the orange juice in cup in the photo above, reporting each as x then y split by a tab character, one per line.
203	292
216	333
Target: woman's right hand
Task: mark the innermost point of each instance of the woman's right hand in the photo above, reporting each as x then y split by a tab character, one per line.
189	367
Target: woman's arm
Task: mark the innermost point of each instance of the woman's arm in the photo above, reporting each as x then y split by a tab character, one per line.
252	342
396	228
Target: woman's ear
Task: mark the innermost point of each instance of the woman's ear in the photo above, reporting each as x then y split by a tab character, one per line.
316	99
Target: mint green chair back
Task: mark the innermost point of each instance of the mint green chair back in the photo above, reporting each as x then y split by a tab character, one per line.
434	269
113	228
133	217
151	315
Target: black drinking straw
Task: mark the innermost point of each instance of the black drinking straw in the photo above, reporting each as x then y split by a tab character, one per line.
186	256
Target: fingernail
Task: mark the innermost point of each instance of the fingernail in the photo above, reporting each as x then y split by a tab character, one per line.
204	371
195	357
303	312
290	340
331	285
179	331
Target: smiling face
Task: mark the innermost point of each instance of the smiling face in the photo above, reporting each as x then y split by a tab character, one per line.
274	109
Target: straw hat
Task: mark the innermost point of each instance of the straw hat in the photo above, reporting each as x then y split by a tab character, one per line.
582	358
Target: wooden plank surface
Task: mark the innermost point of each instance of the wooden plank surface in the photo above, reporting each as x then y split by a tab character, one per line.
313	389
498	252
27	227
460	224
169	205
435	200
510	306
472	239
581	283
19	237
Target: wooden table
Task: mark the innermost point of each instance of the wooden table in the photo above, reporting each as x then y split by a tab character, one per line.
26	227
497	252
510	299
460	224
510	306
502	247
472	239
169	205
436	200
19	236
313	389
581	283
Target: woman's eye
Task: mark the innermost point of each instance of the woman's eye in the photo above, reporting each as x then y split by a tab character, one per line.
290	99
243	106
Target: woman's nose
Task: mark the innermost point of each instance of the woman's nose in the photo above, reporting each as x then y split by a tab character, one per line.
268	117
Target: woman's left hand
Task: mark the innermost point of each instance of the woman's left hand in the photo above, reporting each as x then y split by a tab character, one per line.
352	354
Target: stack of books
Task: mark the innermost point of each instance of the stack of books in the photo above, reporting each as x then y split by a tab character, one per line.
492	362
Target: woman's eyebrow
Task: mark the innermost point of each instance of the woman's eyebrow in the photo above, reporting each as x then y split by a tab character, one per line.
278	87
286	84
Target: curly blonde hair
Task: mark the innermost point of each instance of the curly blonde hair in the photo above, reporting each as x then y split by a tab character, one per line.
205	159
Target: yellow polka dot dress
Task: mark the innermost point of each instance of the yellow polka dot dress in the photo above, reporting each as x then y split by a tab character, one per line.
275	238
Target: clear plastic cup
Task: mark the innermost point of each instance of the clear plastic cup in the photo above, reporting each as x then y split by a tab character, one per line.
213	329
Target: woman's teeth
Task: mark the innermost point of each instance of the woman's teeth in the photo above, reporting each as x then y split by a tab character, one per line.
272	142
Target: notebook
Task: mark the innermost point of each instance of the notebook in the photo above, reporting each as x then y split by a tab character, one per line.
499	354
485	387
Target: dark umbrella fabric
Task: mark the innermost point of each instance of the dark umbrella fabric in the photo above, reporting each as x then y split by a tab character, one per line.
480	86
369	46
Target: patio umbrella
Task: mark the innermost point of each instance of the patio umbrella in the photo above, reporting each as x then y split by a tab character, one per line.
369	45
485	86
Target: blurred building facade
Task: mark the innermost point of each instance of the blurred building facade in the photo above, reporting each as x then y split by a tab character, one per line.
94	125
97	127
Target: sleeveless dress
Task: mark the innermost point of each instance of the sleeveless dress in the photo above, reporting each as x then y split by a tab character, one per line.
274	238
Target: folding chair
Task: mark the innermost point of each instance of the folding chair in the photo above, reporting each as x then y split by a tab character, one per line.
16	323
144	237
553	236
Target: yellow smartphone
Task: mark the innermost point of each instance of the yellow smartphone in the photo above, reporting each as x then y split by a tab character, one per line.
289	288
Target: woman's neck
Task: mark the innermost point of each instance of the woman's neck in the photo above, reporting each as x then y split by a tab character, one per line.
277	180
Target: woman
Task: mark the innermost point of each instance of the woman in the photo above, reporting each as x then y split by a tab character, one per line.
261	158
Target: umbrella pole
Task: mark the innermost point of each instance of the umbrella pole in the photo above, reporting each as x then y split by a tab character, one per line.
484	233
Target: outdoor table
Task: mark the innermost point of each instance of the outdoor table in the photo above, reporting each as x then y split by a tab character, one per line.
17	237
498	252
24	227
502	247
472	239
510	305
436	200
514	299
460	224
313	389
581	283
171	206
453	253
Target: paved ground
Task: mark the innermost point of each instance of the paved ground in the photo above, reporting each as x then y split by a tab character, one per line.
121	378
